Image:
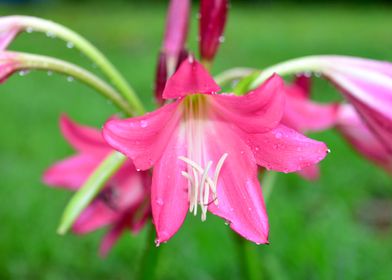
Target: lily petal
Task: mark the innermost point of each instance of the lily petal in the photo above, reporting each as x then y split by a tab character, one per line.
190	78
110	239
240	199
169	191
256	112
285	150
304	115
310	173
95	216
72	172
83	138
144	138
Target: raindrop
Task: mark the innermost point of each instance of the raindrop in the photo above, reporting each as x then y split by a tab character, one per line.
50	73
138	170
29	29
328	151
70	79
257	148
143	123
227	223
159	201
50	34
23	72
278	135
70	45
157	243
221	39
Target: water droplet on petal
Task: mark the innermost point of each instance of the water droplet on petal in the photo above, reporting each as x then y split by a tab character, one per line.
257	148
143	123
70	45
159	201
278	135
157	243
328	151
221	39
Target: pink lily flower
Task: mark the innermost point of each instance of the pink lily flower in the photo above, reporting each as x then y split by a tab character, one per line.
123	204
213	14
304	115
9	29
8	65
205	147
367	84
363	140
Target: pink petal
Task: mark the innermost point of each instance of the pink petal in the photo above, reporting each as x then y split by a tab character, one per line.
311	173
190	78
8	65
285	150
144	138
363	140
304	83
160	78
72	172
176	27
95	216
240	200
304	115
169	191
7	36
83	138
256	112
110	239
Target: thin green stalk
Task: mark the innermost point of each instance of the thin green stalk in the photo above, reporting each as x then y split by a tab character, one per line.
75	40
233	74
267	183
150	257
40	62
90	189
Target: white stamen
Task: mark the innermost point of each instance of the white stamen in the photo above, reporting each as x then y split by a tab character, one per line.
200	184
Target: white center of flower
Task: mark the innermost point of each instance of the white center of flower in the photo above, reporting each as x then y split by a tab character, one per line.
200	184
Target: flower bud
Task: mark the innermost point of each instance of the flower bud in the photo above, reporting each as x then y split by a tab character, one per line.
212	21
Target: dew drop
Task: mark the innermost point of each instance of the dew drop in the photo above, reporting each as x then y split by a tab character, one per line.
29	29
257	148
70	45
50	34
138	169
278	135
143	123
70	79
221	39
328	151
50	73
157	243
159	201
23	72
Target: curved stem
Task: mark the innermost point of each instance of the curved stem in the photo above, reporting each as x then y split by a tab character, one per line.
73	39
233	74
293	66
39	62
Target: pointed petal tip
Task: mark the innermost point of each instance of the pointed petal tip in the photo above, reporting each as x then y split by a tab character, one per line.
190	78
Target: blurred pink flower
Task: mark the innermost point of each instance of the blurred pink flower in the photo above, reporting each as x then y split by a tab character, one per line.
8	65
204	149
9	28
363	140
124	202
213	14
367	84
304	115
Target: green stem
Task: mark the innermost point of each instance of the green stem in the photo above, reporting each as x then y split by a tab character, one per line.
233	74
39	62
75	40
293	66
90	189
150	257
248	259
268	183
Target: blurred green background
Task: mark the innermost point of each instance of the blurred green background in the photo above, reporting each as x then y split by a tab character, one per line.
336	228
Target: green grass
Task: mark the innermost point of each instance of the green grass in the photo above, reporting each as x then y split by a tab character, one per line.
318	230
